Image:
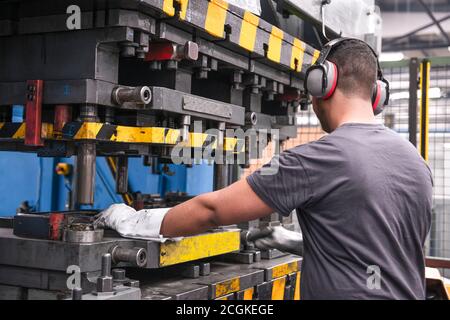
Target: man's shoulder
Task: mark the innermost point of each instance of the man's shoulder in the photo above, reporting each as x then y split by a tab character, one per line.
327	143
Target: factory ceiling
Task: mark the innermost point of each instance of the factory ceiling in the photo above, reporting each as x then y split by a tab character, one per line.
416	27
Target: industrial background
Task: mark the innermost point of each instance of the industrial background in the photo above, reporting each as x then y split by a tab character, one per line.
101	123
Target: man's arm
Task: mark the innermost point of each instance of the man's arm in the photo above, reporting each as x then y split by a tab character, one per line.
233	204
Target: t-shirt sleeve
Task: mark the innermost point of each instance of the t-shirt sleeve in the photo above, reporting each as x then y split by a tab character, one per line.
282	183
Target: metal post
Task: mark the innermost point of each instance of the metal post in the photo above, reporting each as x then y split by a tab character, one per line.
33	113
221	169
424	103
412	109
86	169
122	175
86	166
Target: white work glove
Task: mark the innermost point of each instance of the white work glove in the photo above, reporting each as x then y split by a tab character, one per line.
129	223
278	238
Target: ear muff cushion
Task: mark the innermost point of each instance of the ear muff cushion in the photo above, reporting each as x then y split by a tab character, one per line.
314	80
332	80
379	97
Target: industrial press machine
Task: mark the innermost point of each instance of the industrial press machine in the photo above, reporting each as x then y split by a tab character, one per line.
127	79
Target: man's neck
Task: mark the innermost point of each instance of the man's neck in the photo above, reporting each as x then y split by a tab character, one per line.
354	111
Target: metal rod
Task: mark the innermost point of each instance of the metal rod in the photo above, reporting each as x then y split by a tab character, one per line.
220	169
424	103
106	265
86	169
412	109
122	175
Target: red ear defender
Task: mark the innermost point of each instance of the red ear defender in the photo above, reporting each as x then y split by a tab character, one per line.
333	80
322	77
379	97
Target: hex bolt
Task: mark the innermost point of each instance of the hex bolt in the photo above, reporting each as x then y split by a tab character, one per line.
105	281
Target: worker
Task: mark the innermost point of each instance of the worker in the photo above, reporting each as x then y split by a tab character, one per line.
362	194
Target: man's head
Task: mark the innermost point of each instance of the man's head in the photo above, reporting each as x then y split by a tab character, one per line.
357	74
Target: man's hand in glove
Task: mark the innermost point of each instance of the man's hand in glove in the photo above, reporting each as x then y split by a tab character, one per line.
142	224
231	205
278	238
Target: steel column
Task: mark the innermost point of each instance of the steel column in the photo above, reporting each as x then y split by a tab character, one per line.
412	109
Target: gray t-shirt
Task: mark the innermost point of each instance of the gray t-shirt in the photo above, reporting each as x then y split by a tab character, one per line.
363	197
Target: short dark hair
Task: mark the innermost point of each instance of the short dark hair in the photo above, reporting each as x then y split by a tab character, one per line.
357	68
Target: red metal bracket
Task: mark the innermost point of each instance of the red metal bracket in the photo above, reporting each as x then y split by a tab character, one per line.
33	109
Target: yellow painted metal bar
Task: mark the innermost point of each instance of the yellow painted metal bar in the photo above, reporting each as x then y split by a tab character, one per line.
214	24
20	133
284	269
46	131
88	130
183	9
297	287
248	294
275	43
215	17
247	37
145	135
298	53
168	7
228	286
198	247
424	100
315	56
278	288
125	134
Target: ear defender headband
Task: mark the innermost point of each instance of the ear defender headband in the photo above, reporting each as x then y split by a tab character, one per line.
322	77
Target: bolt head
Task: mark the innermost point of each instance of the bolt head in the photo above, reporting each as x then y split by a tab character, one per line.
105	284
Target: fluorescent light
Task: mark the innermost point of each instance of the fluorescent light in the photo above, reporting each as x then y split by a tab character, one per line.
433	93
399	95
391	56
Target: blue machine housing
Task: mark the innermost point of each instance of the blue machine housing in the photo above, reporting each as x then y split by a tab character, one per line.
25	177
